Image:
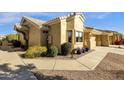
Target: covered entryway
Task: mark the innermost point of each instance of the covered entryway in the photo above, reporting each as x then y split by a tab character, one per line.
89	40
24	30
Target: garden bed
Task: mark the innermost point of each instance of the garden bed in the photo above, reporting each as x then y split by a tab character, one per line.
75	56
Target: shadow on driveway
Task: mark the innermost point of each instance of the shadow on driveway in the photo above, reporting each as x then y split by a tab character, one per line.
21	73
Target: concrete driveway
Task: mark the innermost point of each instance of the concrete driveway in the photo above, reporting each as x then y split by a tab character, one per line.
87	62
12	67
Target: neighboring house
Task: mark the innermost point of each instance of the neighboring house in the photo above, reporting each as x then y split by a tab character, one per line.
54	32
96	37
63	29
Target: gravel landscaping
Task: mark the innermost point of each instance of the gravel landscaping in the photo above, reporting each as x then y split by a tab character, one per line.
111	68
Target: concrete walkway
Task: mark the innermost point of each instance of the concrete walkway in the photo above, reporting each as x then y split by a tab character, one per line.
12	67
87	62
93	59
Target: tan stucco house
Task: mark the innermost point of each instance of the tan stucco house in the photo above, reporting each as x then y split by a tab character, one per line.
63	29
97	37
54	32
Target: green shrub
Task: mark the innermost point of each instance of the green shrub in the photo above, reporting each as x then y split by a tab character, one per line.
66	48
4	42
35	51
0	42
52	51
12	37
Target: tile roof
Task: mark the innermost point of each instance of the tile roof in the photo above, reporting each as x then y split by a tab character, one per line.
35	21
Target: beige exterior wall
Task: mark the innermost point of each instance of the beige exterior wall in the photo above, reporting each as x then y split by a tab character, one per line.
98	40
75	23
105	40
70	23
70	26
111	40
58	31
21	38
63	34
94	39
92	42
34	36
89	39
102	40
79	26
79	23
54	33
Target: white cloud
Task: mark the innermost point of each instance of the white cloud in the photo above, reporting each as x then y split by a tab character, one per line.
7	18
10	17
103	15
97	15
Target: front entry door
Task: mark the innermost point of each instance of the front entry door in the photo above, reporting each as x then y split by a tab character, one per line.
45	38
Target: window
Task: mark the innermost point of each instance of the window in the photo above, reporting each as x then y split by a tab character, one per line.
79	36
69	34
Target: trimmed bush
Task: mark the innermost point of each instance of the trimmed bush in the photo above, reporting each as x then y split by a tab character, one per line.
16	43
35	51
66	48
52	51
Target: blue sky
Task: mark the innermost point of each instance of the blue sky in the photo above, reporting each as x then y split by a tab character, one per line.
101	20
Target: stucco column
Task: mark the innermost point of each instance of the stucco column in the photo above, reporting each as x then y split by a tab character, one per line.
73	38
108	40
